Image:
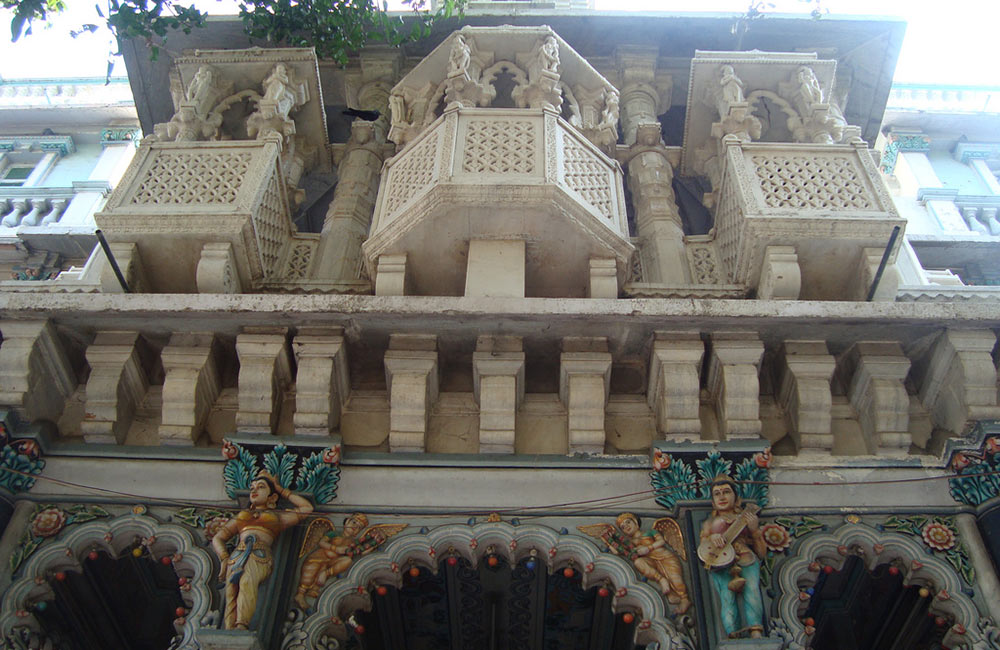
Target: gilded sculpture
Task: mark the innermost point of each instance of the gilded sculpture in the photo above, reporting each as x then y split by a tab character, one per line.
330	552
656	553
251	561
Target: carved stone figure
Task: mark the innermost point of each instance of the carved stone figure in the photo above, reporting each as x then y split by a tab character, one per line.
460	57
809	88
277	88
656	554
330	553
609	118
731	87
256	530
548	55
732	547
202	85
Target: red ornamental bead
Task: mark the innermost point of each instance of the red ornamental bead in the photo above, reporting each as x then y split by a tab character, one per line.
182	581
568	572
381	591
828	569
180	611
627	618
414	572
165	560
359	629
60	576
809	621
92	555
492	560
452	561
939	621
894	570
603	592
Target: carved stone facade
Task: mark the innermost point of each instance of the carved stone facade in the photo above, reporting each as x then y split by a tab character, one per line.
511	355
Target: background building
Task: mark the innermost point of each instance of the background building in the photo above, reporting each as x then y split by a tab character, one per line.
575	266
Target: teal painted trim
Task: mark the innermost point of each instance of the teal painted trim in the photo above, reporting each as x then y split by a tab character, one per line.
62	144
121	134
902	142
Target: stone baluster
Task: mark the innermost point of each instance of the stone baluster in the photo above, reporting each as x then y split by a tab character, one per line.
190	388
734	385
322	383
58	207
878	395
37	208
674	384
658	220
411	375
265	377
116	387
960	380
13	218
989	217
975	225
584	386
498	381
349	215
35	373
804	393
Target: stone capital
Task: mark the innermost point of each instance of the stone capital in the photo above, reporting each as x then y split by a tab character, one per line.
322	382
674	383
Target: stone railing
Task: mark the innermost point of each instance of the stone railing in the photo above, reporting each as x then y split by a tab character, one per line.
205	216
811	215
951	99
33	206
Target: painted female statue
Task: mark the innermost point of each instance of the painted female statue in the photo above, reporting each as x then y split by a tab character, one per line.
251	562
731	547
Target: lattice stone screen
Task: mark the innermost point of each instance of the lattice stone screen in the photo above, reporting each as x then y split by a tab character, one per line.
177	197
816	198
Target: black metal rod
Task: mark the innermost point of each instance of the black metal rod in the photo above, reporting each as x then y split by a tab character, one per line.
112	261
881	265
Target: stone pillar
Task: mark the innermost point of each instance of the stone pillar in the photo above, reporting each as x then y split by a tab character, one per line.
804	393
733	383
878	395
411	375
960	382
35	373
498	381
265	377
584	385
117	385
644	94
658	220
350	213
322	382
190	387
780	276
674	384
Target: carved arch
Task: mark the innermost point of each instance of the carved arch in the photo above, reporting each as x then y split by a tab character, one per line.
793	121
520	79
875	548
513	543
571	106
65	553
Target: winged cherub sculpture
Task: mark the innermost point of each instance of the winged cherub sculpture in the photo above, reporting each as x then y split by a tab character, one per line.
329	552
656	554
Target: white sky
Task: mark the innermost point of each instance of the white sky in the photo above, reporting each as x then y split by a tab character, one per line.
947	41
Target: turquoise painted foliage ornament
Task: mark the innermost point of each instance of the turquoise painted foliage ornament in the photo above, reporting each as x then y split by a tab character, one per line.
977	473
20	462
316	473
682	477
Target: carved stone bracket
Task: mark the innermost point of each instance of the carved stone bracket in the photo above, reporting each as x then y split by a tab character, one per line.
804	393
877	392
119	379
733	384
411	373
322	384
498	376
584	385
35	373
960	380
674	384
265	377
190	387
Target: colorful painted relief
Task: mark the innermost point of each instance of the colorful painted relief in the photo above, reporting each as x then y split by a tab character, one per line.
20	462
656	553
978	473
330	552
778	536
48	521
316	473
939	536
688	477
255	529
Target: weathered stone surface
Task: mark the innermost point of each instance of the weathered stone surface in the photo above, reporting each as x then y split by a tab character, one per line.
804	392
674	384
877	392
35	374
265	377
584	383
960	380
733	385
498	375
190	388
116	387
411	374
322	382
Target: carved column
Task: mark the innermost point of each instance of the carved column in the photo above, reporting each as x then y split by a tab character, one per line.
878	395
35	373
411	375
498	376
350	213
804	393
960	382
674	384
584	385
644	93
322	384
117	385
265	377
658	221
190	388
733	383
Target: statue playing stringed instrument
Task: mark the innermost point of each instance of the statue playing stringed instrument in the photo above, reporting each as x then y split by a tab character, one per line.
656	554
330	553
731	548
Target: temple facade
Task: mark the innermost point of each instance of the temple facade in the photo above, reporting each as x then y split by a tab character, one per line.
552	330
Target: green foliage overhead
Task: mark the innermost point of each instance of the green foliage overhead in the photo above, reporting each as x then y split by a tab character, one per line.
334	27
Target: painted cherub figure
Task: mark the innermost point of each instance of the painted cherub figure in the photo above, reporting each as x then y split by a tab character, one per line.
656	554
330	553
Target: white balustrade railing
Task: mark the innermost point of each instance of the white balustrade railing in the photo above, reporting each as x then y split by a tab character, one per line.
36	206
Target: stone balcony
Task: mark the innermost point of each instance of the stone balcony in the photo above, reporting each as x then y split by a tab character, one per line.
514	175
802	220
202	216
